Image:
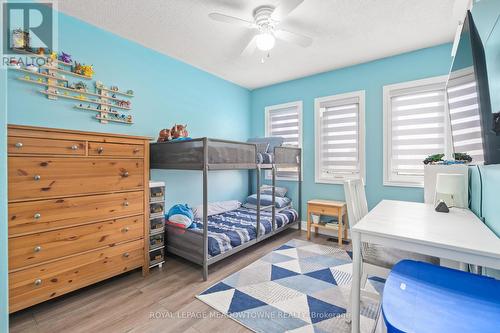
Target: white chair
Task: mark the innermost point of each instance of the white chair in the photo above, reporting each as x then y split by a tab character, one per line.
377	260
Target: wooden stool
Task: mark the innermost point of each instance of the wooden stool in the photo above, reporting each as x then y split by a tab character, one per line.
328	208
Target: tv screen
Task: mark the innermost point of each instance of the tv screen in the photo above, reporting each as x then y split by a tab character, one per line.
471	117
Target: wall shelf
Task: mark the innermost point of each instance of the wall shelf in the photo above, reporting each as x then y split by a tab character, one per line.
114	92
114	120
70	89
94	109
45	56
57	69
39	74
87	100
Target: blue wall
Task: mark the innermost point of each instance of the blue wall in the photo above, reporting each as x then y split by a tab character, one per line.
370	77
167	91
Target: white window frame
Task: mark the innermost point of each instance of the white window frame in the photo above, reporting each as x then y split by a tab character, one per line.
360	94
299	106
407	181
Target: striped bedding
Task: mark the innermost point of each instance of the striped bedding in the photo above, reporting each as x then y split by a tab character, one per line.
230	229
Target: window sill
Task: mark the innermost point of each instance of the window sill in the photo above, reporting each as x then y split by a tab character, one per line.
403	184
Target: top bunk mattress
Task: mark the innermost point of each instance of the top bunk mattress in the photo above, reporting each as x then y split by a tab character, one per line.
234	228
220	155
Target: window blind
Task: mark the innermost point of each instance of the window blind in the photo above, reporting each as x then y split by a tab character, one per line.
464	117
285	122
416	128
339	139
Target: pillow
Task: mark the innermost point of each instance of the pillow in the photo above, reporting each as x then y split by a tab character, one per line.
215	208
279	191
180	215
267	200
265	208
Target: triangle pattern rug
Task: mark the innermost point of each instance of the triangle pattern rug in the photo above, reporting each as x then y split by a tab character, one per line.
299	287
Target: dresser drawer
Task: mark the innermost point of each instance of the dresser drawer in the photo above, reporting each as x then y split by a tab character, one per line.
43	215
38	177
115	149
34	285
37	248
36	146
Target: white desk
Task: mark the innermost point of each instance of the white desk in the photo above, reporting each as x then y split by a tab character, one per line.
458	235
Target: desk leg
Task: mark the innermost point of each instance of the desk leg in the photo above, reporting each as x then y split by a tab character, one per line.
339	229
308	224
356	279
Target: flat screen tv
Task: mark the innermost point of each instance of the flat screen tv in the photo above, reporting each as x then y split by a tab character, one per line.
473	125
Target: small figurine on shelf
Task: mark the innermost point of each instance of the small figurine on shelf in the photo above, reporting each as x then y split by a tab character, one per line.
41	51
99	84
53	56
113	88
66	93
129	118
40	79
64	57
14	63
81	86
123	103
113	96
88	70
32	68
130	92
27	77
20	39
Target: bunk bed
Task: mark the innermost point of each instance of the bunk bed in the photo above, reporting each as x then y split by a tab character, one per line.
203	244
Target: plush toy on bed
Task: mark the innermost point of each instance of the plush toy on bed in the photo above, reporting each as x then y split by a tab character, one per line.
164	135
176	133
179	131
180	216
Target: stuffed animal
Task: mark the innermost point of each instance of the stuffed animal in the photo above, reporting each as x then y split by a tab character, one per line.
164	135
179	131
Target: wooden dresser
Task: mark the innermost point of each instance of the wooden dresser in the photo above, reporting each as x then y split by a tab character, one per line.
78	210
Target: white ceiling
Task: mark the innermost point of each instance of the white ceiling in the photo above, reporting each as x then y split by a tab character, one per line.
345	32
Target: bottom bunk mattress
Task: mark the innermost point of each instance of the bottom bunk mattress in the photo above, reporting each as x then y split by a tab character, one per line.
234	228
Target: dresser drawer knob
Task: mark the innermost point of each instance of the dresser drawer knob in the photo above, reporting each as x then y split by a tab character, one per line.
136	150
126	229
74	147
19	145
37	177
38	282
125	203
100	150
37	248
126	254
125	174
37	216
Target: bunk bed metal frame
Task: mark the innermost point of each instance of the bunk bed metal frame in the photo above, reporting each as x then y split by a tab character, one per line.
206	154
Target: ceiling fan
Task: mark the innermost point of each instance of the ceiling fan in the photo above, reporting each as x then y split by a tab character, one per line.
267	28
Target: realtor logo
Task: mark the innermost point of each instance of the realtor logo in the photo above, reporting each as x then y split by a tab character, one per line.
27	26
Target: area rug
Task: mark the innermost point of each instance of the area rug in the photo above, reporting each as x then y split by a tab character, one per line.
299	287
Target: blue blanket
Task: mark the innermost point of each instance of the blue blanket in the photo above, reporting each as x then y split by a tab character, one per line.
231	229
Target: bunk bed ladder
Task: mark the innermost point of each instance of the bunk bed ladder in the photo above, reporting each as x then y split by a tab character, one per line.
273	215
258	203
205	209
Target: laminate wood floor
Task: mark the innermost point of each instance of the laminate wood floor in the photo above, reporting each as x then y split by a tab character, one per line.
164	301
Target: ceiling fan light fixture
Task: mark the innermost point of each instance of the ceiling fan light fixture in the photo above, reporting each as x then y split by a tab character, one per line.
265	41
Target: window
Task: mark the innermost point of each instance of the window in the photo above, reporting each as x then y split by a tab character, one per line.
414	128
464	115
285	120
340	137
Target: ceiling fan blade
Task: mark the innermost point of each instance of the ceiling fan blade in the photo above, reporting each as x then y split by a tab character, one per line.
250	47
294	38
284	8
231	20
